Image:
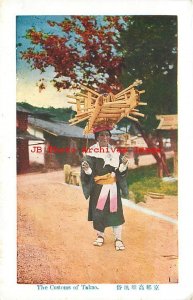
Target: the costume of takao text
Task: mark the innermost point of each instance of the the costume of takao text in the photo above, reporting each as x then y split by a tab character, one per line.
104	184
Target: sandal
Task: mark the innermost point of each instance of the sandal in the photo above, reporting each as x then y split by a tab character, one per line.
99	241
119	245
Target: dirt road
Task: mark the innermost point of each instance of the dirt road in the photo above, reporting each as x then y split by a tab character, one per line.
55	238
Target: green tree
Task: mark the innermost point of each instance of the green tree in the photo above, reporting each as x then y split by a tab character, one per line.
104	53
150	53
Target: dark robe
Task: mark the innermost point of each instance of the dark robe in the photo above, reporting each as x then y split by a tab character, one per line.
103	218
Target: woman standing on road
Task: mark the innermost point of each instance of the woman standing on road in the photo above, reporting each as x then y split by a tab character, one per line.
103	177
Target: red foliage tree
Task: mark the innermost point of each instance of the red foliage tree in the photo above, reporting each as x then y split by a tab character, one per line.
84	50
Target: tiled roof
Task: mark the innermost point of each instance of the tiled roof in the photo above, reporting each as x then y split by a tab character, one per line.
25	135
58	128
167	122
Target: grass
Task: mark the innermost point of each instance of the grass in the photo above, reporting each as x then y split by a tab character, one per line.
144	179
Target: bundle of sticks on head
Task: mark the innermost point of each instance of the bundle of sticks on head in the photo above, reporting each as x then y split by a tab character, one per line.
106	109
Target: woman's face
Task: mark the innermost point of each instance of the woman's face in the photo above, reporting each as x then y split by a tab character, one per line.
103	138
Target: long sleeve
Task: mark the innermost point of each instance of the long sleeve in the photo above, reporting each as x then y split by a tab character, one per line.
121	175
88	172
87	178
122	167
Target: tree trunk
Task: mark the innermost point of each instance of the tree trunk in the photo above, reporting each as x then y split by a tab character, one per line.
175	149
162	165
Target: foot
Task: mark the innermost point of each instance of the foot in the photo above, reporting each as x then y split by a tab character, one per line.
119	245
99	241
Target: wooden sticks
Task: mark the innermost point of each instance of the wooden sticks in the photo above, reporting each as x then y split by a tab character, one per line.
106	109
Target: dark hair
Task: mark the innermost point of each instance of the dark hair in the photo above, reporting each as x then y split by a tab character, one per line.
97	134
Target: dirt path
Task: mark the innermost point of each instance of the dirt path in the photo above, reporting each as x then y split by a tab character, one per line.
55	238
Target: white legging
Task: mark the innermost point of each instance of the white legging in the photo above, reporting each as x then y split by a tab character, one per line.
117	230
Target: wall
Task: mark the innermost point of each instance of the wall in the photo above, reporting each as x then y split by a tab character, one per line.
22	156
36	155
22	121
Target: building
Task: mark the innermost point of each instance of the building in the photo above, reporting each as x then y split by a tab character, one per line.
168	127
22	139
63	143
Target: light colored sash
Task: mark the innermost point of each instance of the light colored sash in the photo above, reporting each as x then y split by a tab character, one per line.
106	189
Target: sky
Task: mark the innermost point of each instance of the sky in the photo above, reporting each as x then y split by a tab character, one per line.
27	89
27	79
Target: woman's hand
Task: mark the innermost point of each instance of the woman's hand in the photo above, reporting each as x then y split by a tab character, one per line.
125	159
85	166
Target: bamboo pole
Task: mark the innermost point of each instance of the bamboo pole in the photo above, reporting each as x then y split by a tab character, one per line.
116	102
127	97
124	91
114	119
136	83
112	96
83	113
78	106
86	95
112	110
80	120
86	103
96	111
71	102
133	97
115	105
84	110
72	120
77	98
132	102
81	99
79	117
132	118
142	103
71	96
89	100
137	114
114	115
122	96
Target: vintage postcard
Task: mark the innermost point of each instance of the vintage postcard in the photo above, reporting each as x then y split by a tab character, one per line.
96	150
